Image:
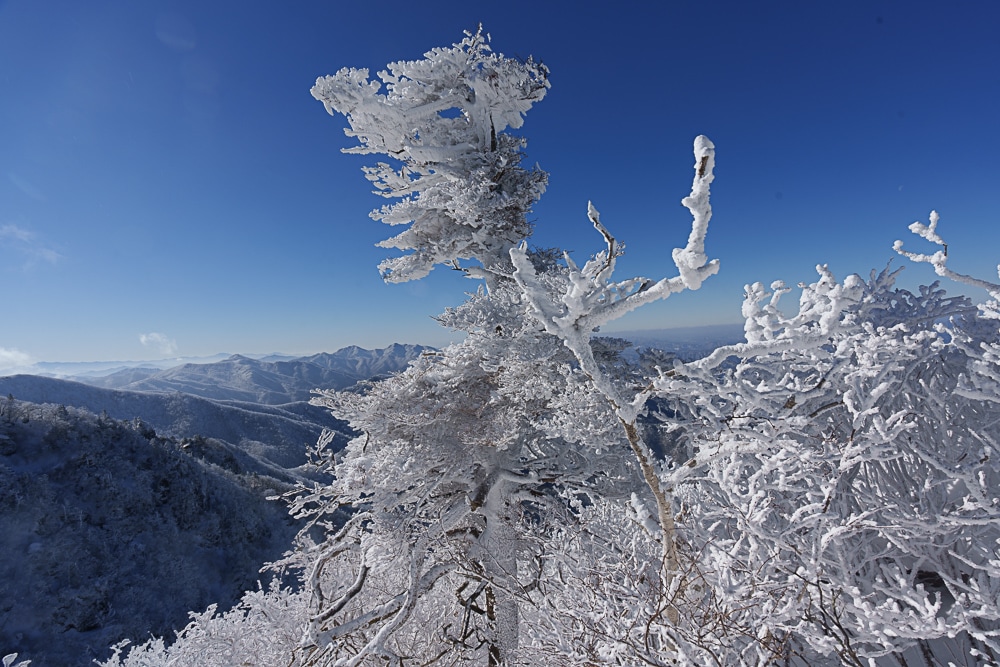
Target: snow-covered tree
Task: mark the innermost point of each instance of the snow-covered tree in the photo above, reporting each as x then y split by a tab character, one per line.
462	462
442	122
262	630
837	477
497	419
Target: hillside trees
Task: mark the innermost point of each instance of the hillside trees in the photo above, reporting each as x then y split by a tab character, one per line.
112	531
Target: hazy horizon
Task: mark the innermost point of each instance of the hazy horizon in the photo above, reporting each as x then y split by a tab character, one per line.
61	367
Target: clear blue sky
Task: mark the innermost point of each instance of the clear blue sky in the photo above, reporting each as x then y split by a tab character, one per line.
164	169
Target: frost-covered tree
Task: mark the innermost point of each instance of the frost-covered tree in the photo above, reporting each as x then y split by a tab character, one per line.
457	172
462	462
837	476
460	454
264	629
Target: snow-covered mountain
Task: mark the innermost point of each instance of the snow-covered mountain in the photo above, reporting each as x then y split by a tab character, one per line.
362	363
271	382
237	378
77	369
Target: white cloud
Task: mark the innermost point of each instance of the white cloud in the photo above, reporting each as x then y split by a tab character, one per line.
159	341
9	231
12	361
24	241
176	32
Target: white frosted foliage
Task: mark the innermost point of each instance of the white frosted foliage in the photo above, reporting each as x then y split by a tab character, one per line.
442	122
834	479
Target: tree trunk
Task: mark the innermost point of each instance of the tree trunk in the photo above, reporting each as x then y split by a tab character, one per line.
498	557
664	510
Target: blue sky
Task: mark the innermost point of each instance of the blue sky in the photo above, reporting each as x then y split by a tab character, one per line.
168	186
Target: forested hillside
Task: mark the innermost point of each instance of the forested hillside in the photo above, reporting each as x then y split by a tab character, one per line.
112	531
123	510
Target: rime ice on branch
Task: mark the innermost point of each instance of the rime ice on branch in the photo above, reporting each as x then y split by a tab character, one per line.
589	299
939	260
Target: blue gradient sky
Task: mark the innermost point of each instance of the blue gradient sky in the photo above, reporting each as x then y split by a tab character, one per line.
164	169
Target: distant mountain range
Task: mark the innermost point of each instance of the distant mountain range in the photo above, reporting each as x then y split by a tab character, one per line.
349	359
64	369
260	406
237	378
273	379
280	435
688	343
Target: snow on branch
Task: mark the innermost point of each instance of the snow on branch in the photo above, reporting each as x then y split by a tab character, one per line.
939	259
588	298
573	303
691	260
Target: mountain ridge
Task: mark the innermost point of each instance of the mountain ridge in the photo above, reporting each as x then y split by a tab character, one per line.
243	378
